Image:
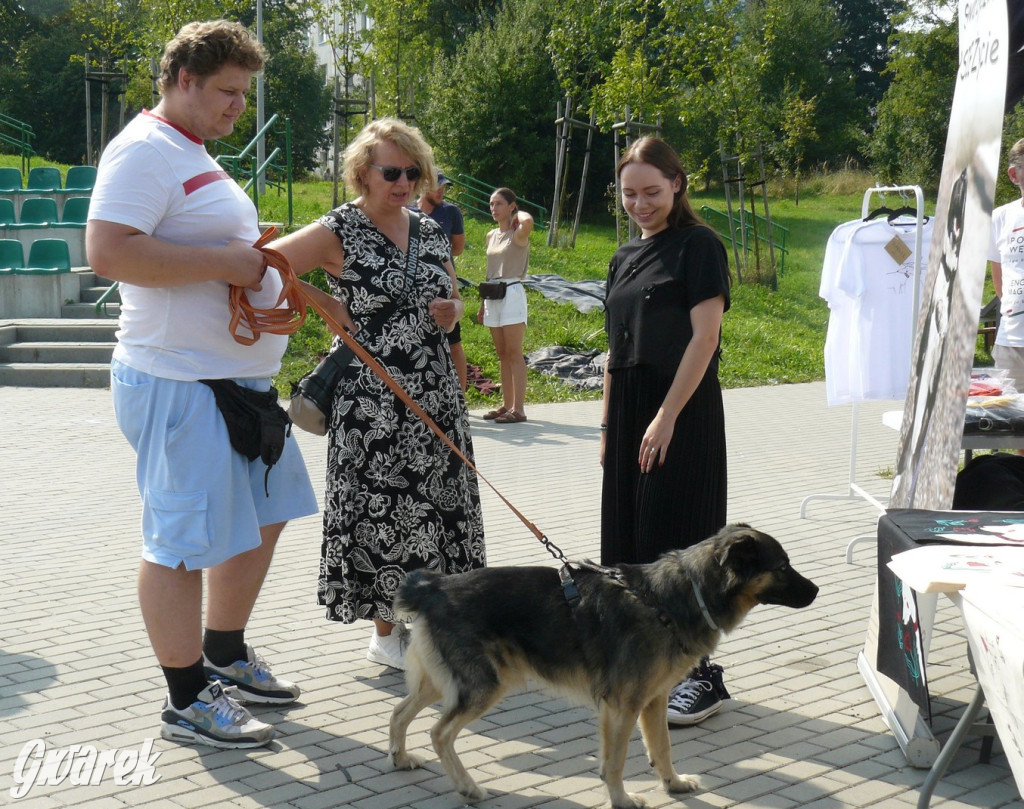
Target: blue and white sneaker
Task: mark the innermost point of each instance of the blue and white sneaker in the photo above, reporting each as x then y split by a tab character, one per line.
253	680
214	719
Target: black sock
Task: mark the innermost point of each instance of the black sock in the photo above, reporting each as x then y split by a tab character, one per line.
224	648
185	683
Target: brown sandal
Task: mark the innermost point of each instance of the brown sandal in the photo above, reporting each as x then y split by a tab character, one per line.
492	415
510	417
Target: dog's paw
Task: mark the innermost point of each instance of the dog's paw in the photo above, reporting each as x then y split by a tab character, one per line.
473	793
633	801
682	783
405	761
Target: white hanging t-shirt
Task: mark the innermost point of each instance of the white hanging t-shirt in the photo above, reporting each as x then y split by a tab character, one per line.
873	279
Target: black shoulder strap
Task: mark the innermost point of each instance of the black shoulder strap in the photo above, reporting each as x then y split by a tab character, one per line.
412	254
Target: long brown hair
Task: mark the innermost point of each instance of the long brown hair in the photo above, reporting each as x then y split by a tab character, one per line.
655	152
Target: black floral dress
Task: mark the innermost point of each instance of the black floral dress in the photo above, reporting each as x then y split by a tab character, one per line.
397	497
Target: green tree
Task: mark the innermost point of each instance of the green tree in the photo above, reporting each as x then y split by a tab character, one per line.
490	108
862	48
913	116
44	87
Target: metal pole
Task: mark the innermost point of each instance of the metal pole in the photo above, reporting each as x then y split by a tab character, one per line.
88	116
559	151
261	147
583	179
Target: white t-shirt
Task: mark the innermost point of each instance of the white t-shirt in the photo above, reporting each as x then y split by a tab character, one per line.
871	310
1007	247
159	179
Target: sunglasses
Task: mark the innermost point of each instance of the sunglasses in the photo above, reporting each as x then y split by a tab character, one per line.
392	173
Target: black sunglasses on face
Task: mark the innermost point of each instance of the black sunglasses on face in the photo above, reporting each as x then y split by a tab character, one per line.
392	173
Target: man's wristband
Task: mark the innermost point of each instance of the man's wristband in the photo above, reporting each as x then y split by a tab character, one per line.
604	428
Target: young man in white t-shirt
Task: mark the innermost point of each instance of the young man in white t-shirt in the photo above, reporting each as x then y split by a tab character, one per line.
175	231
1006	256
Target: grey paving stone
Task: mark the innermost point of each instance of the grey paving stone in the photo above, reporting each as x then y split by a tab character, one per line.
801	731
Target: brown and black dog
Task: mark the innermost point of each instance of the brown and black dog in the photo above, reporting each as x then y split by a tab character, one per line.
620	648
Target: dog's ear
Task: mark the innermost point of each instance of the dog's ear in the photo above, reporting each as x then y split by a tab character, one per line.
740	550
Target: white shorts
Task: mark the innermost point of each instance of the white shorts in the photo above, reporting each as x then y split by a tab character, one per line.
509	310
202	502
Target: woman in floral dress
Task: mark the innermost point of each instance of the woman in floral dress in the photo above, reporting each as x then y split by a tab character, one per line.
397	497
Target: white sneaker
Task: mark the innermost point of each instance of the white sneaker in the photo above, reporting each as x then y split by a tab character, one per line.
216	719
389	650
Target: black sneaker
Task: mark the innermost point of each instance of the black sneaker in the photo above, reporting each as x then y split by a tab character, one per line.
697	697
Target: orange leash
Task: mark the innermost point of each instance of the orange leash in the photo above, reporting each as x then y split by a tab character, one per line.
299	295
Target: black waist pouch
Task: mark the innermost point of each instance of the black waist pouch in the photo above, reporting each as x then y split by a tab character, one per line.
257	424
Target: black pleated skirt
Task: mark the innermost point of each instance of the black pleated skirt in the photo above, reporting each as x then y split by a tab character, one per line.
677	504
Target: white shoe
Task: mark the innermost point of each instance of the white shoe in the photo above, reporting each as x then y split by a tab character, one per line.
389	650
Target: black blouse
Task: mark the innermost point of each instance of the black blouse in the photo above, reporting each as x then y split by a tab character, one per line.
652	286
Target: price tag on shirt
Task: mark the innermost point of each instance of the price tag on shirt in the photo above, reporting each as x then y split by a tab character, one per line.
898	250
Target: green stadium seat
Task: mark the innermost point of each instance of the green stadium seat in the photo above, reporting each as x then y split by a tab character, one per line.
43	178
12	254
10	179
76	210
38	211
80	178
48	255
6	211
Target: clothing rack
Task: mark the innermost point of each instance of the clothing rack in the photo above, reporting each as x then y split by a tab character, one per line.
855	491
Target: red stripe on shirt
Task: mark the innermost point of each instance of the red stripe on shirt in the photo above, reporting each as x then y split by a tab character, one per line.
207	177
173	125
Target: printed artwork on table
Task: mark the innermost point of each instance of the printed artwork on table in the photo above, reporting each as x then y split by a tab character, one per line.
908	628
972	528
900	653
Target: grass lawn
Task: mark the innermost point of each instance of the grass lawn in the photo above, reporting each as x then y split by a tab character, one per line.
768	336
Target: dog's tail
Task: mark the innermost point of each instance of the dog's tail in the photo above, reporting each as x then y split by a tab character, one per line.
419	587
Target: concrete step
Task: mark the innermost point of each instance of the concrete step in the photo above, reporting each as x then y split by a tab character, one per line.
56	352
58	329
92	293
87	311
55	375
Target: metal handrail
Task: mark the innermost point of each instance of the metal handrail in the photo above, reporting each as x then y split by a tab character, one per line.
101	304
733	232
478	193
234	163
23	142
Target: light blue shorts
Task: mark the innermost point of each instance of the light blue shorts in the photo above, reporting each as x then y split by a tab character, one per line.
509	310
202	502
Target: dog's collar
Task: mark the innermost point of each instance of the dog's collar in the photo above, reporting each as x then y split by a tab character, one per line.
703	607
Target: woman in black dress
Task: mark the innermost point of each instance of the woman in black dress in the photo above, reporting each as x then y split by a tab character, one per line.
397	497
663	432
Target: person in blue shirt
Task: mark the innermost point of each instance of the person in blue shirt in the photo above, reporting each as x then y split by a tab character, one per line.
449	217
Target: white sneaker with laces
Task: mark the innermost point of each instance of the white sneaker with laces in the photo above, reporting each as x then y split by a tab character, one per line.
389	650
216	719
253	680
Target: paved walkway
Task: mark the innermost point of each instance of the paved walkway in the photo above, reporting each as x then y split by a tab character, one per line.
801	731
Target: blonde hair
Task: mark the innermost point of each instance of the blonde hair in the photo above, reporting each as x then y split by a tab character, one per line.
1016	155
203	48
359	154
